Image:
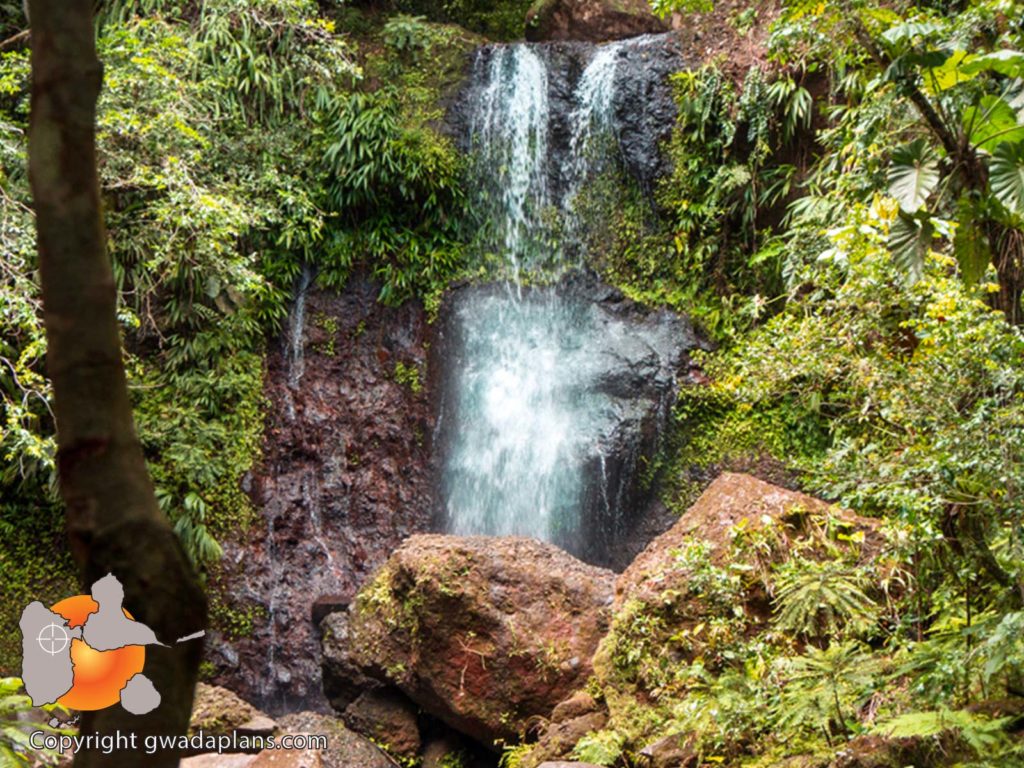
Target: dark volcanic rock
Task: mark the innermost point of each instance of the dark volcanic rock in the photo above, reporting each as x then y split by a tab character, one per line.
592	20
483	633
345	477
343	679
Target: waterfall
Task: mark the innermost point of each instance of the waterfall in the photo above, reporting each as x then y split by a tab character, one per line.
524	410
509	135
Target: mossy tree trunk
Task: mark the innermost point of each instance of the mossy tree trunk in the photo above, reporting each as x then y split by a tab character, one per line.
114	522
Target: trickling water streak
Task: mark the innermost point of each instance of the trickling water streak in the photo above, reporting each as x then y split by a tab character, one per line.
592	118
296	332
311	500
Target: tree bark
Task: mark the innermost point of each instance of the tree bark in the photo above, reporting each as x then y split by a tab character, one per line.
114	522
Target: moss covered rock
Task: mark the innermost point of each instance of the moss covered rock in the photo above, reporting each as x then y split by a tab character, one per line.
483	633
217	711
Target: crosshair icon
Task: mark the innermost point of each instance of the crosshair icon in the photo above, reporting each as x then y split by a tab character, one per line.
53	639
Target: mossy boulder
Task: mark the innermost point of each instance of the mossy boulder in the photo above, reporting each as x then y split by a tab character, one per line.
345	749
217	711
707	584
702	593
590	20
483	633
733	508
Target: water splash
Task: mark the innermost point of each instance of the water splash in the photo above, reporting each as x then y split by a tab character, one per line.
523	394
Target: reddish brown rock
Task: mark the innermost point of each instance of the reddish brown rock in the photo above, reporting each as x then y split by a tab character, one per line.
388	718
483	633
571	720
593	21
345	477
732	501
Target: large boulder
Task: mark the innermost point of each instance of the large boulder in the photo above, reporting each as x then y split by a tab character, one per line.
593	21
706	584
715	566
736	504
483	633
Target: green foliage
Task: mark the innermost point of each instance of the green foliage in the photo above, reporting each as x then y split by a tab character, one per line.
497	19
15	749
599	748
237	142
456	759
1008	176
398	185
985	735
715	238
409	376
822	687
913	176
407	35
34	562
821	599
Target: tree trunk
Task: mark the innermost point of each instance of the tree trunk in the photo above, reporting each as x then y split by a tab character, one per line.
114	523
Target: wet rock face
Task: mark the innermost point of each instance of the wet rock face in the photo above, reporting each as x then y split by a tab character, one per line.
345	477
595	21
482	633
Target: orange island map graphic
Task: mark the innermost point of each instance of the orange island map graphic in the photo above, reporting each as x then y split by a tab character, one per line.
87	652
